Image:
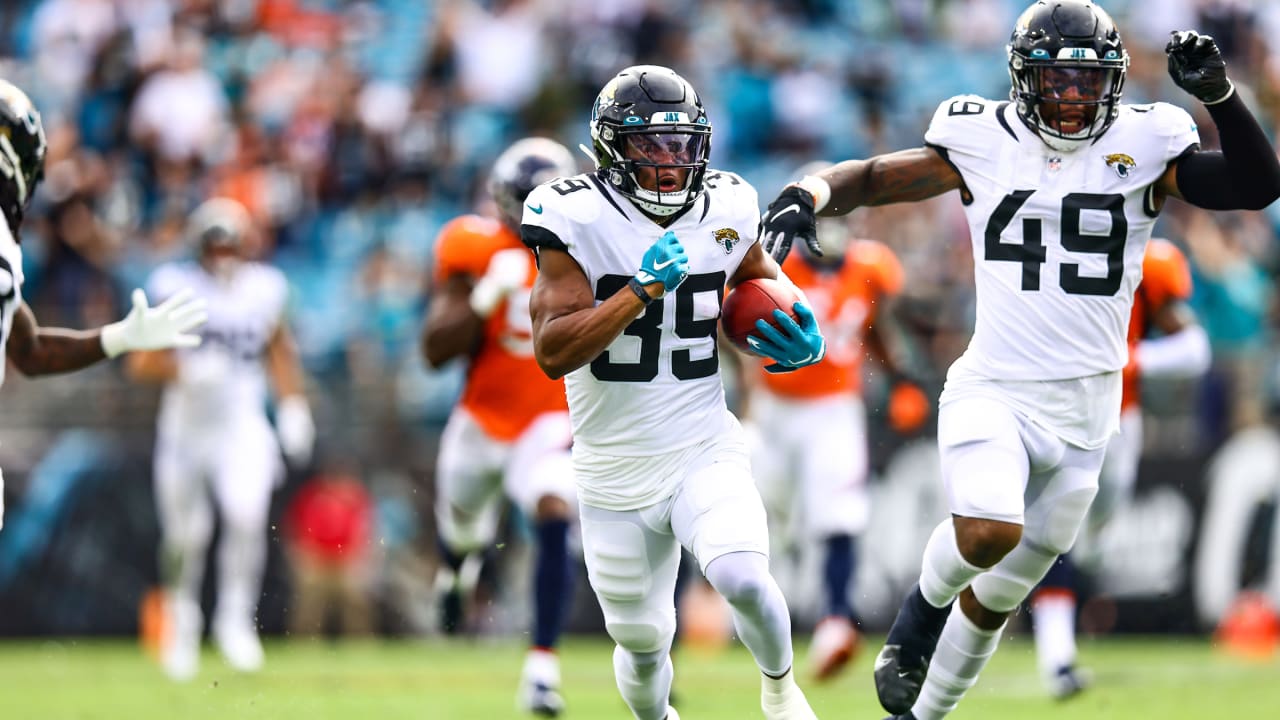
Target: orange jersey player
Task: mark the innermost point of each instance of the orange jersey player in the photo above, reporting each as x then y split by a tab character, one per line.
1164	341
510	431
815	422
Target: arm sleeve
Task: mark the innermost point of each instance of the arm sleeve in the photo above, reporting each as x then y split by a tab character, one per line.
1183	354
1245	175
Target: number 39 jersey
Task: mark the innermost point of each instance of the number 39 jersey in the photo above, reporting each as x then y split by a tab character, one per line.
657	387
1058	238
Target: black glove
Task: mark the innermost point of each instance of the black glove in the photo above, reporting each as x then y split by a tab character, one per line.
789	216
1196	65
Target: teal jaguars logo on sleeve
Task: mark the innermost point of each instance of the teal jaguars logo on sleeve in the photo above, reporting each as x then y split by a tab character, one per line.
727	238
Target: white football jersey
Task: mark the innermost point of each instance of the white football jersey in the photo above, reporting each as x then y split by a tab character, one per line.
10	287
244	314
657	387
1058	238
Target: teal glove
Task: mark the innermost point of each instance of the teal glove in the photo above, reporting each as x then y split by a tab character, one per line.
795	346
666	262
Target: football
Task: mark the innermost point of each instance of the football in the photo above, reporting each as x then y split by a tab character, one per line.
751	301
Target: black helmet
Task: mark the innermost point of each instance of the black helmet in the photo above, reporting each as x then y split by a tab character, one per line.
522	167
22	148
1068	44
656	111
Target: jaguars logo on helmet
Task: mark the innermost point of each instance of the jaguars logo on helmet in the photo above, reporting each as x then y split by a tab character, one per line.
654	103
1072	35
22	149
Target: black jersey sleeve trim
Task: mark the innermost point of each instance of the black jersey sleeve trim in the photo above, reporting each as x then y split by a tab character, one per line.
536	237
966	197
1005	123
605	192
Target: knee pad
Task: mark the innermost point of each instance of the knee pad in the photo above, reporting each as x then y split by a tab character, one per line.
467	533
643	635
742	578
1054	523
1005	586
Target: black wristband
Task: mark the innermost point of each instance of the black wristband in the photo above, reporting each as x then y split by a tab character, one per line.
640	292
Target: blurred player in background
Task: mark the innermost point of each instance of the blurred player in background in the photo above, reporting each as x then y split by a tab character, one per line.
822	496
213	436
36	350
510	432
1061	186
1165	341
628	317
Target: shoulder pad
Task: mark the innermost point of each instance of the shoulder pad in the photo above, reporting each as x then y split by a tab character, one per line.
555	209
735	196
966	124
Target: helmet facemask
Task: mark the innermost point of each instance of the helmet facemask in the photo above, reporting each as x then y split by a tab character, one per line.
1067	104
651	161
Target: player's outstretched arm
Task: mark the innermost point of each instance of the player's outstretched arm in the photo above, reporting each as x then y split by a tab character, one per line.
451	328
294	426
569	329
36	350
903	176
1245	175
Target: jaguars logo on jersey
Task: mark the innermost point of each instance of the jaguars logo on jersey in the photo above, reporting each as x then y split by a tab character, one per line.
1121	163
727	238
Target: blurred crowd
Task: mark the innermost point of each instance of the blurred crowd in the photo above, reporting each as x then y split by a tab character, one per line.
354	129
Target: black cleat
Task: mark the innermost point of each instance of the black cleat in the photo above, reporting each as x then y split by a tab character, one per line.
902	664
896	686
1068	682
908	716
452	613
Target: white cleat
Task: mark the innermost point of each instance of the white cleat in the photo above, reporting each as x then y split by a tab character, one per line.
238	641
539	692
672	714
834	642
180	650
781	699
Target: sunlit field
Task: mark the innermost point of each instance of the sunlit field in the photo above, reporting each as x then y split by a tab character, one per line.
1168	679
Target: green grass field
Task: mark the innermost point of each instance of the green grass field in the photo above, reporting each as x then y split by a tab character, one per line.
1168	679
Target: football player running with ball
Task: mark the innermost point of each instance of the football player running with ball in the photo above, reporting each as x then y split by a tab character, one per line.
36	350
1061	185
633	262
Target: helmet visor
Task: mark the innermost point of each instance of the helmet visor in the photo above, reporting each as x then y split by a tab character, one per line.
1071	98
681	149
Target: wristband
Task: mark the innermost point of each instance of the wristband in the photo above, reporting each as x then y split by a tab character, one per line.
817	187
640	292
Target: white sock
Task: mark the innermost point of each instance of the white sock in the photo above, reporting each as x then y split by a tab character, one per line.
945	572
644	679
1054	620
760	613
963	650
242	555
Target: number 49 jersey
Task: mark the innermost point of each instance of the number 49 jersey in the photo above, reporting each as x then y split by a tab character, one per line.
1058	238
657	387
